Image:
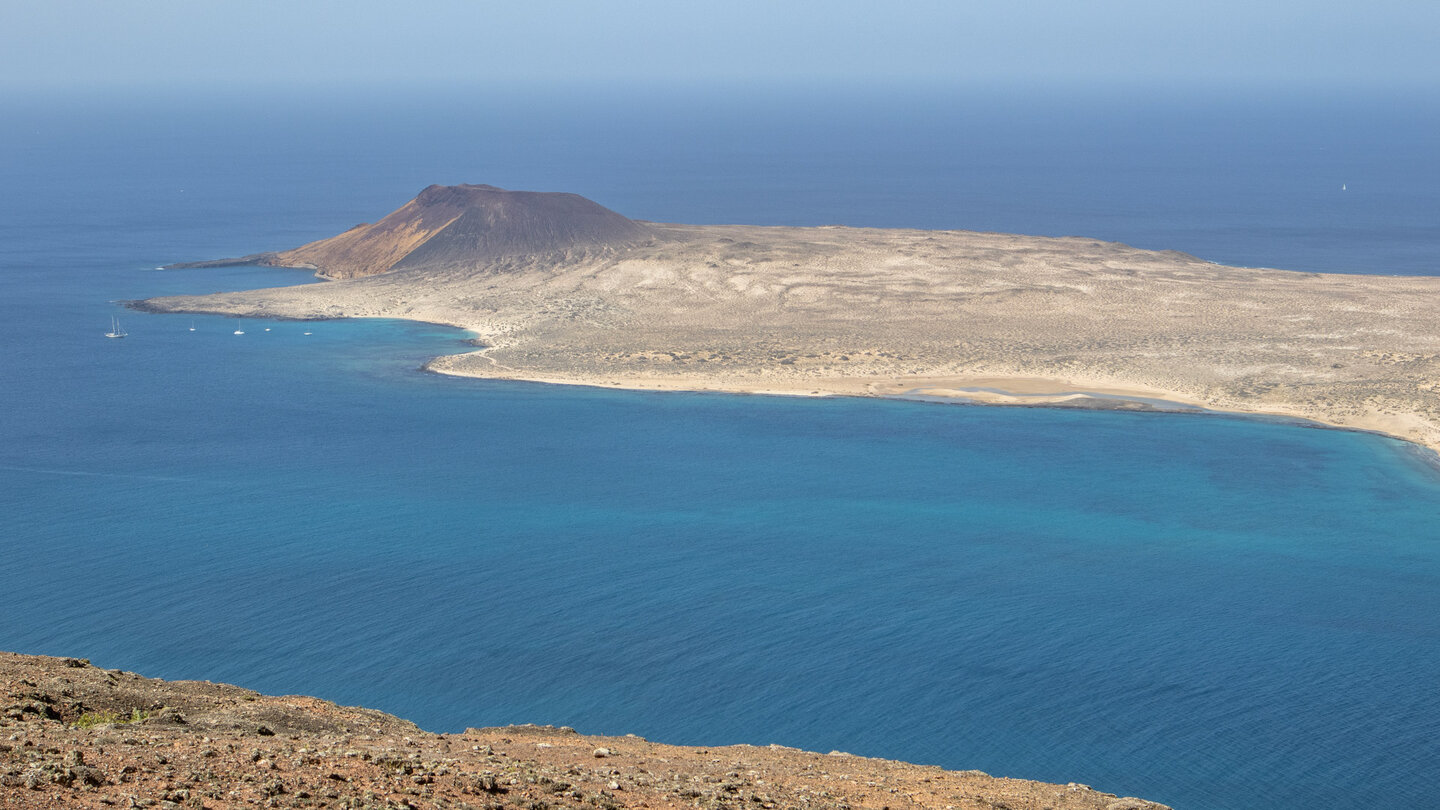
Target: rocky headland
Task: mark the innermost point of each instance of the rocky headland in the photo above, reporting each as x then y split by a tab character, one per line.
75	735
559	289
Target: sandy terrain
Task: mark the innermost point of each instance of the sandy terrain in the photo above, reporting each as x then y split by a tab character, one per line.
193	745
891	312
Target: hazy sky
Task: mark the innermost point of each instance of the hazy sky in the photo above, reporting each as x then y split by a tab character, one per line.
46	43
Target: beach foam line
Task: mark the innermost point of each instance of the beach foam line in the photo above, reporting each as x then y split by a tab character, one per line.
998	396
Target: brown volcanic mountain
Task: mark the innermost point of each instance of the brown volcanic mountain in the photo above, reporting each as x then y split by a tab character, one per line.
464	226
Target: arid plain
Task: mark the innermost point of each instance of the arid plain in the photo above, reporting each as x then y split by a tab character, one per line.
558	289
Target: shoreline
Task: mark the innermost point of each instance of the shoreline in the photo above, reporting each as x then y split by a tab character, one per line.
980	390
990	389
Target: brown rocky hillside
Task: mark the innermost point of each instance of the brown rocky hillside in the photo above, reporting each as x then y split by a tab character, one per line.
73	735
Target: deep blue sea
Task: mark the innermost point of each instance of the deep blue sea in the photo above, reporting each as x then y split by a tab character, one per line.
1206	611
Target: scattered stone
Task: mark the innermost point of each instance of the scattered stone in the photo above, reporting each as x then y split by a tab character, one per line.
87	775
166	717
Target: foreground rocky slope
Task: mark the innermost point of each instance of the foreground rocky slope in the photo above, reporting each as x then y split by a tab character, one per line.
74	735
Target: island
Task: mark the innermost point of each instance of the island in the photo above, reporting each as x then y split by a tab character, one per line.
560	289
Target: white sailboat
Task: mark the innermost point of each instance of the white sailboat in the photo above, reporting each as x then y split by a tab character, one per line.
192	326
238	330
115	330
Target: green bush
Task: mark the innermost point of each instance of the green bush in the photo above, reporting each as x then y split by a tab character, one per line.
111	717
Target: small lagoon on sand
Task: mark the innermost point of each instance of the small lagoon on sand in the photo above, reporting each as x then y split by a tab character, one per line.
1206	611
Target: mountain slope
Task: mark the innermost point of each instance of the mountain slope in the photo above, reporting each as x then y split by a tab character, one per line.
461	227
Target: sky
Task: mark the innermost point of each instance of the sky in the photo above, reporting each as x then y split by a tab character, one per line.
97	44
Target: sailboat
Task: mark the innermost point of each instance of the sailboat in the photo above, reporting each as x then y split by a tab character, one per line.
192	326
115	330
238	330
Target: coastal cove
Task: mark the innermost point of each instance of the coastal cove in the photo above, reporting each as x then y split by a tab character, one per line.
1203	610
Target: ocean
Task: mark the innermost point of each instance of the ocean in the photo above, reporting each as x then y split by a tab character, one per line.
1206	611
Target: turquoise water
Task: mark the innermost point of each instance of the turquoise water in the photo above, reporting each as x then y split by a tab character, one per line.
1205	611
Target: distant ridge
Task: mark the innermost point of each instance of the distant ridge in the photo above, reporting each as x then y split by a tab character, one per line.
460	227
